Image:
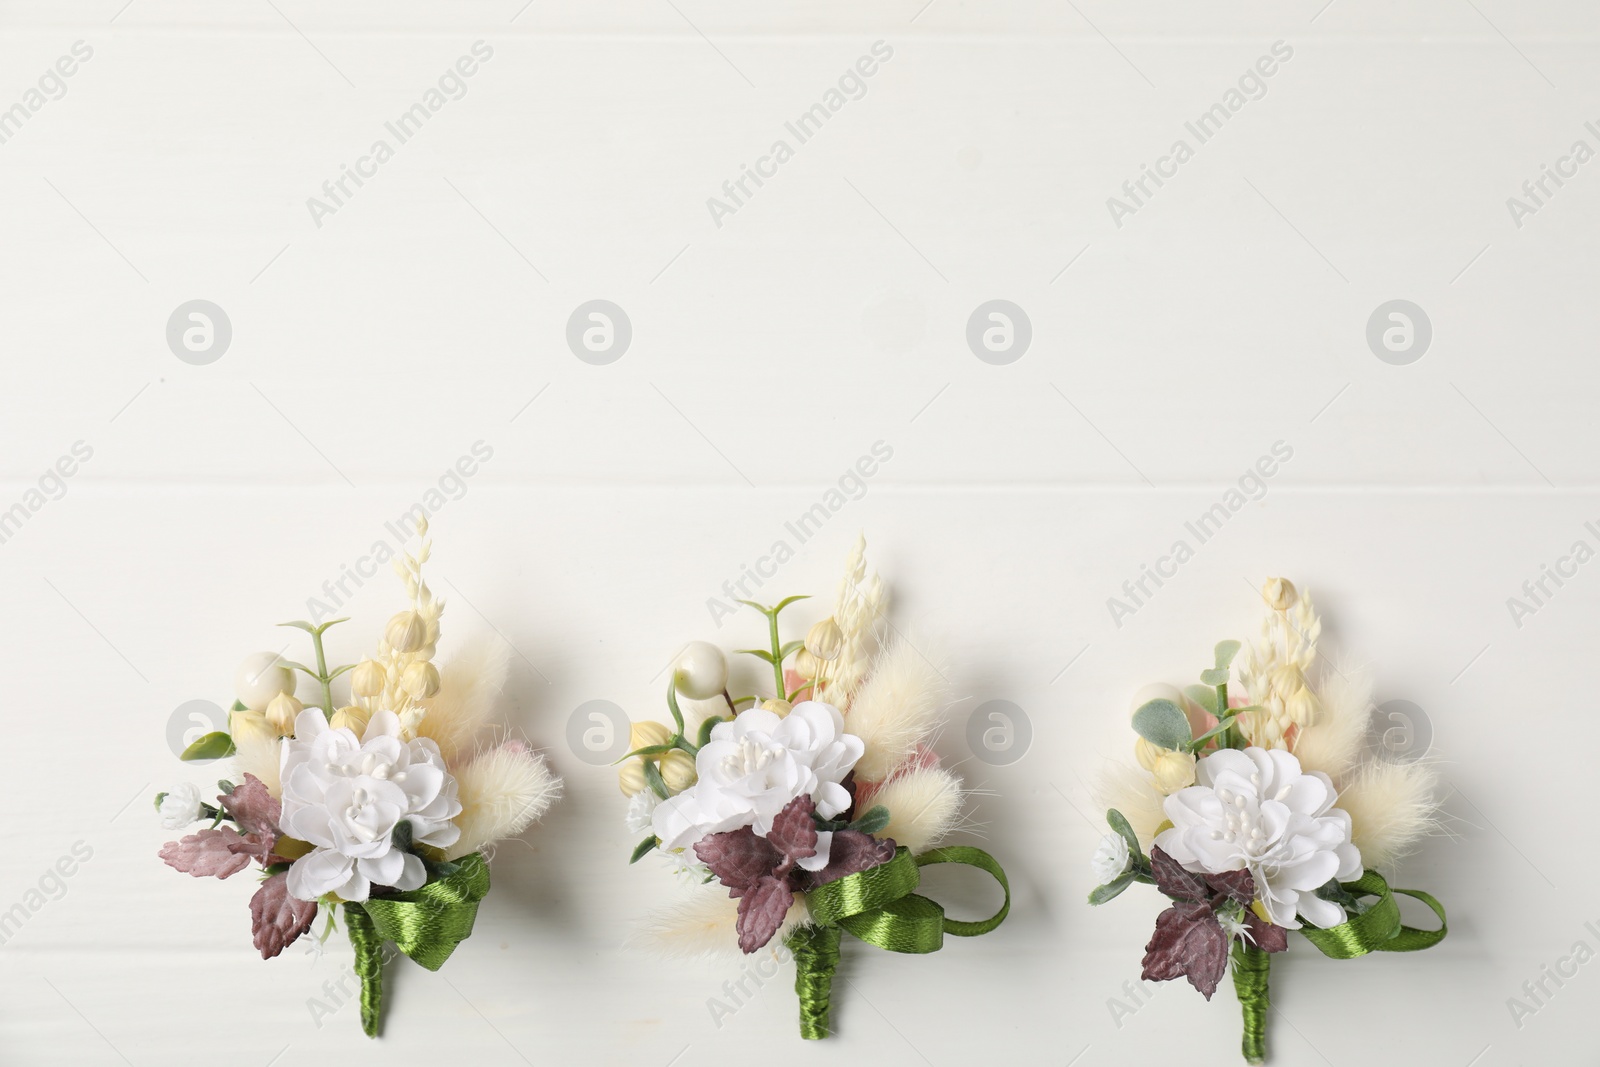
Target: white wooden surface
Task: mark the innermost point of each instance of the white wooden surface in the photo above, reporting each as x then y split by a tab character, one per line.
826	314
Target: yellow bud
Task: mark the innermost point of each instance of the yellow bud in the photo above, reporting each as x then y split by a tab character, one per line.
1303	708
780	708
421	680
825	640
677	770
805	664
1171	769
630	777
1287	681
1279	593
281	712
647	733
368	679
250	726
406	632
350	718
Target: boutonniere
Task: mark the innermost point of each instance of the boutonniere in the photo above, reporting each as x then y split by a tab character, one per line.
1265	814
808	814
378	810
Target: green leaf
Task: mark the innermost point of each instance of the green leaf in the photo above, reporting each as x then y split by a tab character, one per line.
643	847
1215	676
159	798
790	649
648	750
1200	742
293	666
786	601
1119	824
796	692
759	607
764	654
226	787
340	670
672	704
1163	723
875	819
652	778
401	835
214	745
1112	888
238	705
704	737
1225	651
1204	695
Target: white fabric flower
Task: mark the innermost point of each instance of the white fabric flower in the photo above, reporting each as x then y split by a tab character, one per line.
346	796
640	807
1111	859
755	765
1255	809
180	807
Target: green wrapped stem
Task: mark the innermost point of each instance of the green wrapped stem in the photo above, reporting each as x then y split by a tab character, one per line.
1250	965
368	966
816	957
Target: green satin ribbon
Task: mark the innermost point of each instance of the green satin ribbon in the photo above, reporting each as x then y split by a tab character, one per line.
1378	929
426	924
878	906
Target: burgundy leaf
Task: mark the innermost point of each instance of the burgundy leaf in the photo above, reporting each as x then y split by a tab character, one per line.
1173	880
762	911
794	832
259	848
276	918
211	853
1188	942
738	857
851	853
1237	886
252	807
1268	937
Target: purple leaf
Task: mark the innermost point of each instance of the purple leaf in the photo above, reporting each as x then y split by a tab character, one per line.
1237	886
211	853
762	911
1268	937
738	857
276	918
1173	880
851	853
1188	942
794	832
252	807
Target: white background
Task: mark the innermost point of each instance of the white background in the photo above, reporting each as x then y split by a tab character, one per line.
828	313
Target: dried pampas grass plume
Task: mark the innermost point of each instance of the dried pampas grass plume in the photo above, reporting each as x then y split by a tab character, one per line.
502	791
701	925
899	705
469	682
260	755
923	806
1132	792
1392	807
1334	743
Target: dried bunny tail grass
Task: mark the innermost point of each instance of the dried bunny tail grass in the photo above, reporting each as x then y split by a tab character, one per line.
261	756
1392	807
900	705
468	684
1334	743
702	924
924	805
502	791
1132	792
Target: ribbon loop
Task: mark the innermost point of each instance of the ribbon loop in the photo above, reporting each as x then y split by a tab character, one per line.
1378	929
426	924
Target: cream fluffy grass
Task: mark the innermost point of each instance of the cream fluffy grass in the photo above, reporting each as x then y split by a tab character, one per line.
502	791
1333	744
923	806
898	706
469	682
1392	807
702	924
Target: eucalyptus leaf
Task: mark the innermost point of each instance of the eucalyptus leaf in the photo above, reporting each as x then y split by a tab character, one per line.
652	778
1215	676
214	745
1112	888
875	819
1119	824
1200	742
1204	695
643	847
1163	723
1225	651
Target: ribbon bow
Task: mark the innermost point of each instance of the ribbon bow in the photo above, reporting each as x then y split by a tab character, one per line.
426	924
1377	929
878	906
